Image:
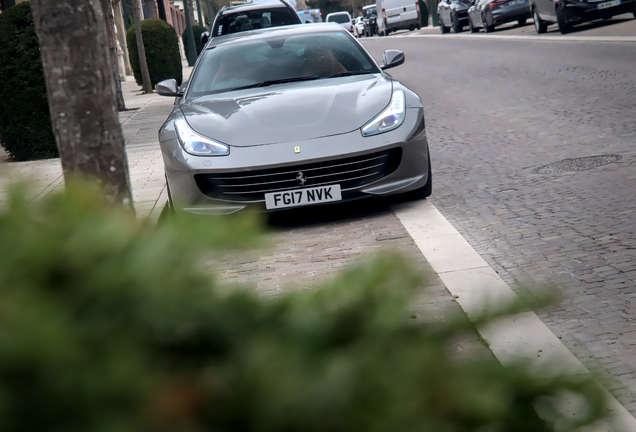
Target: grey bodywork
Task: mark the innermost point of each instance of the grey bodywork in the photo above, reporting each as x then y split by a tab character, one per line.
263	126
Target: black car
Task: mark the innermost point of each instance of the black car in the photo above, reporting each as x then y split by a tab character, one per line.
453	13
488	14
369	19
254	16
567	13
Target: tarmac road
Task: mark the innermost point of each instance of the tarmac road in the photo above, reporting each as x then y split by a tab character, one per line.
499	110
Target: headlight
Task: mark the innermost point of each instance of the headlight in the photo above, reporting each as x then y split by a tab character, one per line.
196	144
389	119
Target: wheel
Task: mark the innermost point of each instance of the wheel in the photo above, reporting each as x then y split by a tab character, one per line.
411	28
634	15
487	28
457	28
472	28
442	27
564	26
426	190
521	22
419	27
539	25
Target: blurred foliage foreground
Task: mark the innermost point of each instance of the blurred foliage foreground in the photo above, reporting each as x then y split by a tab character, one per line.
106	324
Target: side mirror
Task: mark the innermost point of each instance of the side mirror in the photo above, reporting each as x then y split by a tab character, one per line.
392	58
205	37
168	87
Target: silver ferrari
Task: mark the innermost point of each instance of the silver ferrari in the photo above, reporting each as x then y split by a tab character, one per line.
291	116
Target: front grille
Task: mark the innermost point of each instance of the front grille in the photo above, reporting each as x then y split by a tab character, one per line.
349	173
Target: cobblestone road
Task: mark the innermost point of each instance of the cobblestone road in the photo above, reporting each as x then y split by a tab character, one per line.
310	245
496	111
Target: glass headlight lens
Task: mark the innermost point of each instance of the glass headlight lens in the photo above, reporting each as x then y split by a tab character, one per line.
392	117
196	144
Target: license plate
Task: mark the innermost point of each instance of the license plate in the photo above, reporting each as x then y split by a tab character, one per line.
608	4
300	197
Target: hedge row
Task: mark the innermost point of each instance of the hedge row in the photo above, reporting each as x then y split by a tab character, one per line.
162	51
25	121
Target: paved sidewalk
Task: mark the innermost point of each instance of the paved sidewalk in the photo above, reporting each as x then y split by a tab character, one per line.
139	125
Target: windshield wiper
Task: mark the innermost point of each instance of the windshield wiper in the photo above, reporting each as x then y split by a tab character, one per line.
347	73
276	81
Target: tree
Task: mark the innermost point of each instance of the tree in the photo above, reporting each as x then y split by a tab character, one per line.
145	75
81	94
151	12
109	324
112	46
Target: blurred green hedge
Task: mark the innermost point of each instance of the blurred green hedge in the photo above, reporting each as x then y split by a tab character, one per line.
162	51
109	324
25	122
197	30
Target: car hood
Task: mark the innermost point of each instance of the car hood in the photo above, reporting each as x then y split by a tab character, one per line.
289	112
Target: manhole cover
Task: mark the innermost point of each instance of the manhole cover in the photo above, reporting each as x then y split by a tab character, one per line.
576	164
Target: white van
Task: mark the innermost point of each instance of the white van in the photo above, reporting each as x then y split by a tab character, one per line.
397	15
343	18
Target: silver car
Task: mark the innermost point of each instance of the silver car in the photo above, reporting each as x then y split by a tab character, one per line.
291	116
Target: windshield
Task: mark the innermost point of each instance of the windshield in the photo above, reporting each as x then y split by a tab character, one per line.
253	20
339	18
271	60
369	12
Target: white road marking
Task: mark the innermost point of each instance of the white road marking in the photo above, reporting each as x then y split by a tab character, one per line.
520	338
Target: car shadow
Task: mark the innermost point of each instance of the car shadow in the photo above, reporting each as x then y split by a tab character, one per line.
333	213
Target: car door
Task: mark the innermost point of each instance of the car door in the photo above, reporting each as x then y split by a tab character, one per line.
408	11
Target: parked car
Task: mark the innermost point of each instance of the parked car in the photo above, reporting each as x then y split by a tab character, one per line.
358	27
310	16
488	14
343	18
397	15
453	14
253	16
567	13
291	116
369	17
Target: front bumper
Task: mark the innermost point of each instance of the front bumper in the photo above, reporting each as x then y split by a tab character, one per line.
184	171
511	13
404	24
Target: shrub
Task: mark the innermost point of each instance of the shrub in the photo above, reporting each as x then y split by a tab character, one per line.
197	30
162	51
109	324
25	122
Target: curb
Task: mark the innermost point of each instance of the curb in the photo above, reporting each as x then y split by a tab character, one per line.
522	337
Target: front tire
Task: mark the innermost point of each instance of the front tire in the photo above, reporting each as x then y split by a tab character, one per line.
426	190
539	25
457	28
472	28
521	22
564	26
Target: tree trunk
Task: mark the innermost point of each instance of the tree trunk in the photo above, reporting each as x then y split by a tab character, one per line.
145	75
79	84
112	46
151	12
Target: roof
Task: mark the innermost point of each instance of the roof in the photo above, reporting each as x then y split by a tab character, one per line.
295	29
253	6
